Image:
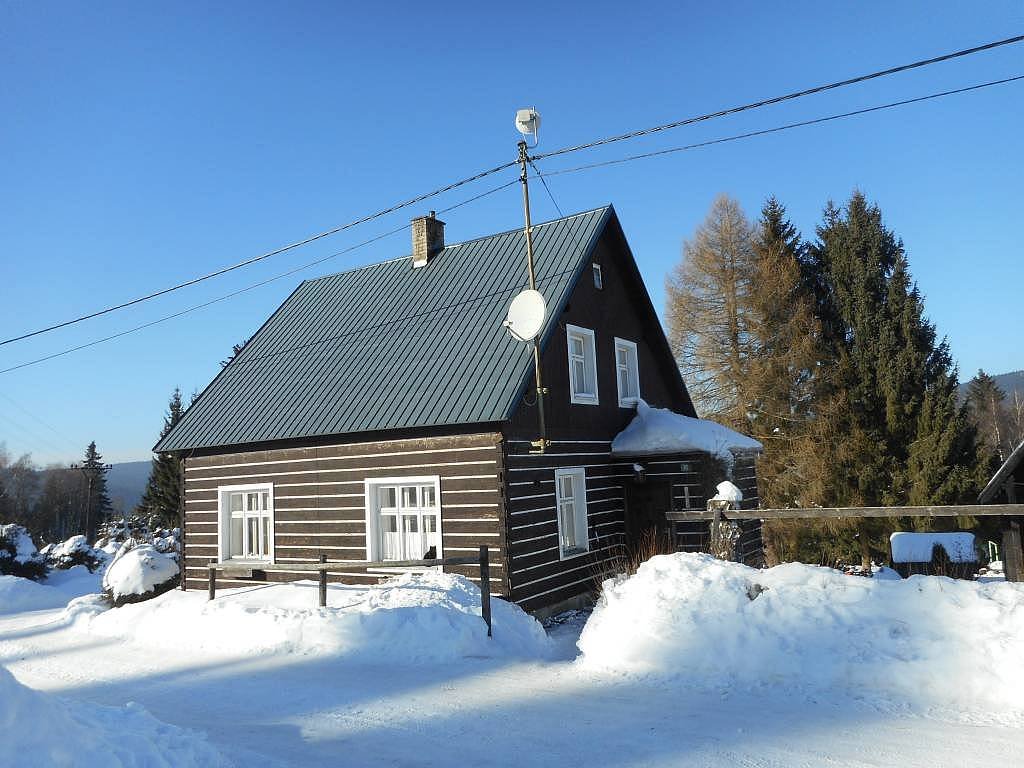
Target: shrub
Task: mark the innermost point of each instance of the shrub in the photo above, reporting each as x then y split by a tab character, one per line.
74	551
18	554
139	572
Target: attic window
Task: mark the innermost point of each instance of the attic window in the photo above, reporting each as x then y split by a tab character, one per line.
627	372
598	280
582	365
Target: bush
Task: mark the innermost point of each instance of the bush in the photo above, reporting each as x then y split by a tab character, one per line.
139	572
18	554
74	551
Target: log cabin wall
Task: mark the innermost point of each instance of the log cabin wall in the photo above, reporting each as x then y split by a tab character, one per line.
320	507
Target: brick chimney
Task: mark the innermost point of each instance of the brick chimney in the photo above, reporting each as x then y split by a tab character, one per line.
427	239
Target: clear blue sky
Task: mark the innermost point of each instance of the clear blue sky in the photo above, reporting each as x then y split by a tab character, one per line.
144	144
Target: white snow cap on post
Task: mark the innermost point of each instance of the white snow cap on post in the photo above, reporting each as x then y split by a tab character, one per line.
728	492
659	430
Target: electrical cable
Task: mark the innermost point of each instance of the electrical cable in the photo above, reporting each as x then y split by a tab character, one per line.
779	128
482	174
247	288
261	257
546	187
785	97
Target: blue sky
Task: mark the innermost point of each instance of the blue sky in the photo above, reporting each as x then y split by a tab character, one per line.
145	144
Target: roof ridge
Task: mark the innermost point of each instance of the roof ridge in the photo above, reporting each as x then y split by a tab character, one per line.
461	243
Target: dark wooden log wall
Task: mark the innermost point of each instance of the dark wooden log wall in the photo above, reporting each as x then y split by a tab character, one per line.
539	577
319	501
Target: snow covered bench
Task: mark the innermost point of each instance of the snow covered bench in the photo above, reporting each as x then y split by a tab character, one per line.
934	554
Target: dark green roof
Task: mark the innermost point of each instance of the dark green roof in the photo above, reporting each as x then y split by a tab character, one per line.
388	347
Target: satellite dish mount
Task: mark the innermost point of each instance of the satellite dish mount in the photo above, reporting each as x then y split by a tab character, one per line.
525	305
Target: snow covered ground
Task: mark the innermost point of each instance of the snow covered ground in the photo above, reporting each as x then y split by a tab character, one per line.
317	694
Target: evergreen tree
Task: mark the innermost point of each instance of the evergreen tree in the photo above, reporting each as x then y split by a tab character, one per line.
905	438
991	418
163	491
97	500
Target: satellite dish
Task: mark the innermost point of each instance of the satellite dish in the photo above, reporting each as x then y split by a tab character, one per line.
526	315
528	123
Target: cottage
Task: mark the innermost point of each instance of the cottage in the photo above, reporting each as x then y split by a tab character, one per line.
1007	487
384	413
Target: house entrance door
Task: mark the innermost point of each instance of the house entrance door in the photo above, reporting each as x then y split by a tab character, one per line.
646	505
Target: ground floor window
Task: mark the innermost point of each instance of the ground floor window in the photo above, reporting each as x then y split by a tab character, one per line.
246	529
571	502
403	518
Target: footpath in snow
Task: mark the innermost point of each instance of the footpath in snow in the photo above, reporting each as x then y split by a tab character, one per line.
691	662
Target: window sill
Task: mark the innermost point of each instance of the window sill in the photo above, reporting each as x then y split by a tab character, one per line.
577	400
630	403
569	554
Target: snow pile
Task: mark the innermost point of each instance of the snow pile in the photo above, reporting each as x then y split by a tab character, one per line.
917	547
18	595
659	430
728	492
138	573
430	617
922	641
42	730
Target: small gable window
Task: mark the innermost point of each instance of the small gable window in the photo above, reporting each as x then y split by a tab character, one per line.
598	279
627	373
582	365
246	529
571	493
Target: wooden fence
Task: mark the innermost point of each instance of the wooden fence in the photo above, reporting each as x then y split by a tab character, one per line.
323	568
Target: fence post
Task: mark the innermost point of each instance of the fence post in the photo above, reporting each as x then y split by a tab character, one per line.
323	582
485	587
213	580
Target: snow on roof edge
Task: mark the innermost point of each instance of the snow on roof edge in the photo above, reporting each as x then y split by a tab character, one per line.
659	430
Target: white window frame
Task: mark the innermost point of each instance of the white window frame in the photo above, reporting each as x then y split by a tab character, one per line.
598	277
581	529
370	486
589	357
224	521
627	401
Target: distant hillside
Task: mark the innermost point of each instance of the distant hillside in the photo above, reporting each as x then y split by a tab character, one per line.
1008	382
126	483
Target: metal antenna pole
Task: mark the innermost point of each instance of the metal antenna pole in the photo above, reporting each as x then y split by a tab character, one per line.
542	443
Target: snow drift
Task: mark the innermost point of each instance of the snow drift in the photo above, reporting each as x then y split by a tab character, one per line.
433	617
923	641
659	430
42	730
18	594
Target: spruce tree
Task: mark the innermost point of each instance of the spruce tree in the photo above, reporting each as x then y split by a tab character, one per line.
986	401
904	438
163	491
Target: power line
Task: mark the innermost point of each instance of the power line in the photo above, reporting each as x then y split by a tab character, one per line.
779	128
263	256
786	97
496	169
546	187
247	288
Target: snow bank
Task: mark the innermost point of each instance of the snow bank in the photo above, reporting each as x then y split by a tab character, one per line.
138	571
431	617
18	595
923	641
659	430
42	730
917	547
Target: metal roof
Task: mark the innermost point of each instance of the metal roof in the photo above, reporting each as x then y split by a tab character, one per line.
388	347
